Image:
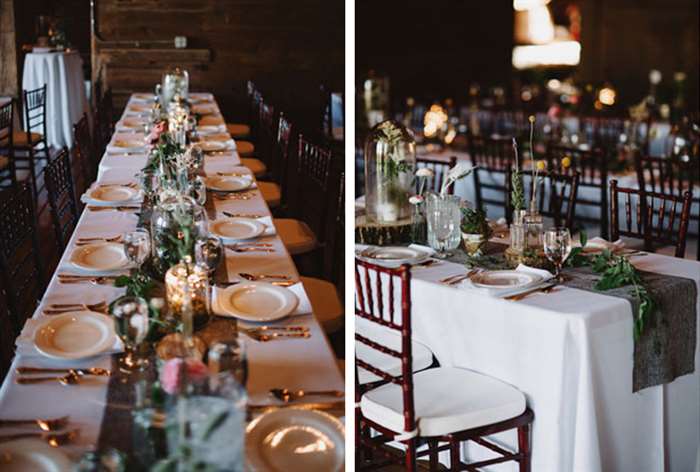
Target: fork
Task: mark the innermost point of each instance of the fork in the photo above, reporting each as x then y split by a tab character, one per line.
98	238
241	215
265	337
53	424
98	307
287	395
254	277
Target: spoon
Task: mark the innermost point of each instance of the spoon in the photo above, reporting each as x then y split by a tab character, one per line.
287	395
71	378
54	424
54	439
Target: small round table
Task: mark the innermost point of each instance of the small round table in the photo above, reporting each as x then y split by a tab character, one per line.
66	100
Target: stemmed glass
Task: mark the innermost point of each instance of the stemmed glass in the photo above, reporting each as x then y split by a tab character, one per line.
209	251
198	190
557	247
137	246
131	324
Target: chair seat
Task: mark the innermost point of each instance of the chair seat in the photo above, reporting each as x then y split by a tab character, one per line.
256	166
245	148
296	235
447	400
19	138
271	192
238	130
422	356
4	162
325	302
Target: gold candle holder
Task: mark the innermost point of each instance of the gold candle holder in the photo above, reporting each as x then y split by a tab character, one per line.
188	281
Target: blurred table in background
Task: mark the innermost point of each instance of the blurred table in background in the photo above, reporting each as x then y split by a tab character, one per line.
66	100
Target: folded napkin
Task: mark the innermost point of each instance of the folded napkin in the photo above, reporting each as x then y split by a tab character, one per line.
303	308
25	340
504	292
599	243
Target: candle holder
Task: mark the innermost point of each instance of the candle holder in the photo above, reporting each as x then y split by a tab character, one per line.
188	294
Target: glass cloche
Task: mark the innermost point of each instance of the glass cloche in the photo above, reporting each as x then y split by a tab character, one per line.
390	161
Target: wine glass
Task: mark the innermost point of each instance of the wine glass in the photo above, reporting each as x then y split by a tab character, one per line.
443	217
557	247
198	190
130	316
208	251
137	246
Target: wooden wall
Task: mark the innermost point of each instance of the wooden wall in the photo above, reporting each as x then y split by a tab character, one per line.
9	84
289	48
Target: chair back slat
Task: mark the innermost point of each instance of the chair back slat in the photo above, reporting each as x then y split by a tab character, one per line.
492	157
313	171
440	169
84	151
61	193
20	265
7	173
35	112
386	317
593	173
657	217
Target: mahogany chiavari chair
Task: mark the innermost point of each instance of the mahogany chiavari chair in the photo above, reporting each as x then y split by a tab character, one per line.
104	126
494	158
64	208
281	158
246	148
8	176
271	191
592	168
20	264
440	169
242	130
411	407
557	195
652	217
84	152
30	146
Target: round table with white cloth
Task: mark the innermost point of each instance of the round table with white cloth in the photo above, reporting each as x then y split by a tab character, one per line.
66	101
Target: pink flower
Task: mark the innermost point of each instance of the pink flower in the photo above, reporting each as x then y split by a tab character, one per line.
157	130
171	376
416	199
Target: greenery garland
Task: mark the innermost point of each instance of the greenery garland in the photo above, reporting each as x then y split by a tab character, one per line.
616	271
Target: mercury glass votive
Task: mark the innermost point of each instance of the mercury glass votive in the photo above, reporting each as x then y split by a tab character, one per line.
188	280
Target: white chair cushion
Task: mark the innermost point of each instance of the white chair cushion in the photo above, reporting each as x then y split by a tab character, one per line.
447	400
422	356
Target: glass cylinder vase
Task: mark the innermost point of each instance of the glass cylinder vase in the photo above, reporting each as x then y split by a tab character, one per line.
390	160
188	295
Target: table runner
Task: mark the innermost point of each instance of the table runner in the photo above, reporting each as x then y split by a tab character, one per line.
666	349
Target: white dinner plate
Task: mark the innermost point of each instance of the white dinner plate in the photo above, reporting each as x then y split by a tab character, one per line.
204	109
75	335
113	194
236	229
144	97
505	279
100	257
211	146
257	301
139	108
23	455
132	124
128	144
393	256
228	183
295	439
209	130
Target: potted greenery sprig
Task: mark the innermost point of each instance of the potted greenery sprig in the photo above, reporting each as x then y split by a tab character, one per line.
475	230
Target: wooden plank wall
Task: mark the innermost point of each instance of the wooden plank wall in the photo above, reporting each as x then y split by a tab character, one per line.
288	47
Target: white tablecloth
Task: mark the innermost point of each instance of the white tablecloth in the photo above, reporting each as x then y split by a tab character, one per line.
292	363
571	354
66	100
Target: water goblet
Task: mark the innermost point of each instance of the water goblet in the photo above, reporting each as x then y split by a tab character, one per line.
131	320
443	217
209	251
557	247
137	246
198	190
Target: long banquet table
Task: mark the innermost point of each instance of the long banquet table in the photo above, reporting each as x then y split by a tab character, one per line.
571	353
291	363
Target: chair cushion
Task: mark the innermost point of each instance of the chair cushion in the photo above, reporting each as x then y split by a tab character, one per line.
296	235
256	166
271	192
4	162
19	138
238	130
422	356
447	400
245	148
325	302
